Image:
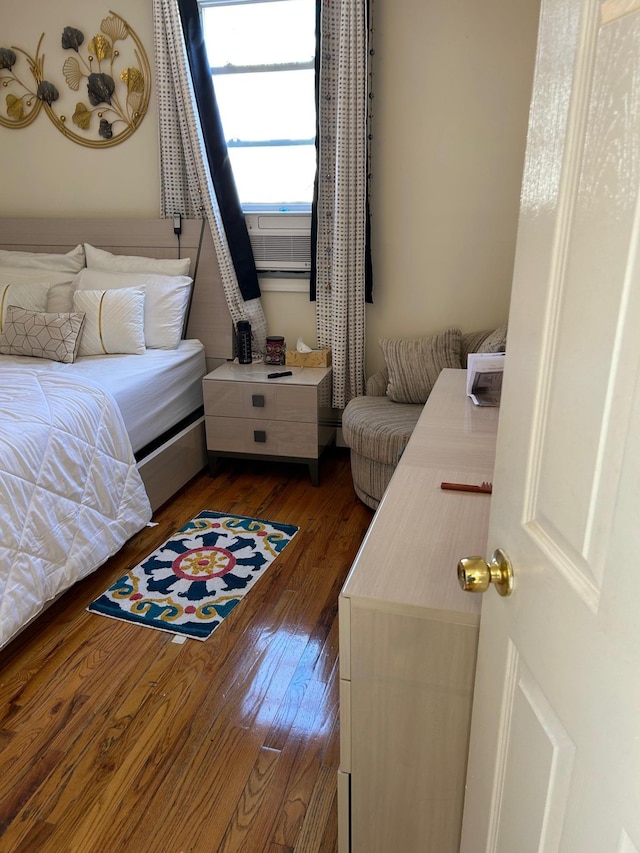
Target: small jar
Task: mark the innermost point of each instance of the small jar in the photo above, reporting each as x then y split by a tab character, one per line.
275	352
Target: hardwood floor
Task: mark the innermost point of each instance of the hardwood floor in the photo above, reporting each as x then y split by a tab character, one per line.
115	738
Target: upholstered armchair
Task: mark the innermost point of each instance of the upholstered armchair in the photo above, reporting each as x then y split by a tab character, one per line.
378	426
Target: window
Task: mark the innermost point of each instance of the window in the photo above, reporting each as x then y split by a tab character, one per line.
262	60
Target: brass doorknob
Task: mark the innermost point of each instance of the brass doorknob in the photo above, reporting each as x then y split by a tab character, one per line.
475	574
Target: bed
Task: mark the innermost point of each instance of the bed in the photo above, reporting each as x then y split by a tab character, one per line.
92	438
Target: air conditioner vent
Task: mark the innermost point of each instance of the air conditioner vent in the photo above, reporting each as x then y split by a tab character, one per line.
281	242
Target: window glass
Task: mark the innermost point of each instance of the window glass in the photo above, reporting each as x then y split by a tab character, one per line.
274	177
271	105
262	59
260	33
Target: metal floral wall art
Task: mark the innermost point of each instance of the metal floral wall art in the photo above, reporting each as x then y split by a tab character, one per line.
114	84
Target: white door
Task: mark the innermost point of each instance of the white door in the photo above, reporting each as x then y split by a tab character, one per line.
554	763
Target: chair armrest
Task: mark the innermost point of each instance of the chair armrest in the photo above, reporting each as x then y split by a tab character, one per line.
377	384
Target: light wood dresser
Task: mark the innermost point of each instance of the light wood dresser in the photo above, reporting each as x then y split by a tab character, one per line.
408	638
250	416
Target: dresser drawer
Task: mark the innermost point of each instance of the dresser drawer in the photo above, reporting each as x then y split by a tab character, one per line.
261	400
269	437
344	812
345	726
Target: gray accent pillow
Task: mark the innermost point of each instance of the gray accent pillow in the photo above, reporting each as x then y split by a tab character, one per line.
41	335
414	365
493	340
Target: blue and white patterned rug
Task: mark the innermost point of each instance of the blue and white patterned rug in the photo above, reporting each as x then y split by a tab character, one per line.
193	581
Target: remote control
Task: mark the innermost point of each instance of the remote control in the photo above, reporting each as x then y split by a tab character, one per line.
278	375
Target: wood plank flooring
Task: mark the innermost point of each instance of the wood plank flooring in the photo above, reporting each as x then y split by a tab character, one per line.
115	738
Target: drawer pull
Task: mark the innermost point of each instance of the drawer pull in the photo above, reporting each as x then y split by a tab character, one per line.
260	436
257	400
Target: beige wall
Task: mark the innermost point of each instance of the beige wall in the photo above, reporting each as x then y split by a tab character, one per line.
451	81
44	174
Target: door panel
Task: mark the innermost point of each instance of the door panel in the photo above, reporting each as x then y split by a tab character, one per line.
594	244
554	763
537	740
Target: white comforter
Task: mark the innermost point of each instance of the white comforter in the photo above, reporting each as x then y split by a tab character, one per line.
70	493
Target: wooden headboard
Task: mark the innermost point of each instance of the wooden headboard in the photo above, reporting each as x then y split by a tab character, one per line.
209	320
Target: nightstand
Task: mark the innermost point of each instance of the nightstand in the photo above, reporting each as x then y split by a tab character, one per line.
248	416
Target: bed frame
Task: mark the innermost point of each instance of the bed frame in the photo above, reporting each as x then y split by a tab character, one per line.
182	453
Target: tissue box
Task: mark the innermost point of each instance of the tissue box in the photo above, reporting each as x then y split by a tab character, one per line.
315	358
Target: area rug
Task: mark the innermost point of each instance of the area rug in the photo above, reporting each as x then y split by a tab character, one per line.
193	581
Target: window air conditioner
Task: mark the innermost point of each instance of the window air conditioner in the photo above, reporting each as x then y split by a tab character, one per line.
281	242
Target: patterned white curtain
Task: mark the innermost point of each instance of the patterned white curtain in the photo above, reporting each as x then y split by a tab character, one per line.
185	180
342	192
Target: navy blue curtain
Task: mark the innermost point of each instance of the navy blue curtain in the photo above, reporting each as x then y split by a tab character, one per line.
314	205
217	154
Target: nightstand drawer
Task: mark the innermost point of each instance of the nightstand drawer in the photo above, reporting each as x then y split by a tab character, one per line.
269	437
261	400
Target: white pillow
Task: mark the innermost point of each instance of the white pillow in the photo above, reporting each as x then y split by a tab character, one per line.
165	304
99	259
114	321
32	296
61	293
70	262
